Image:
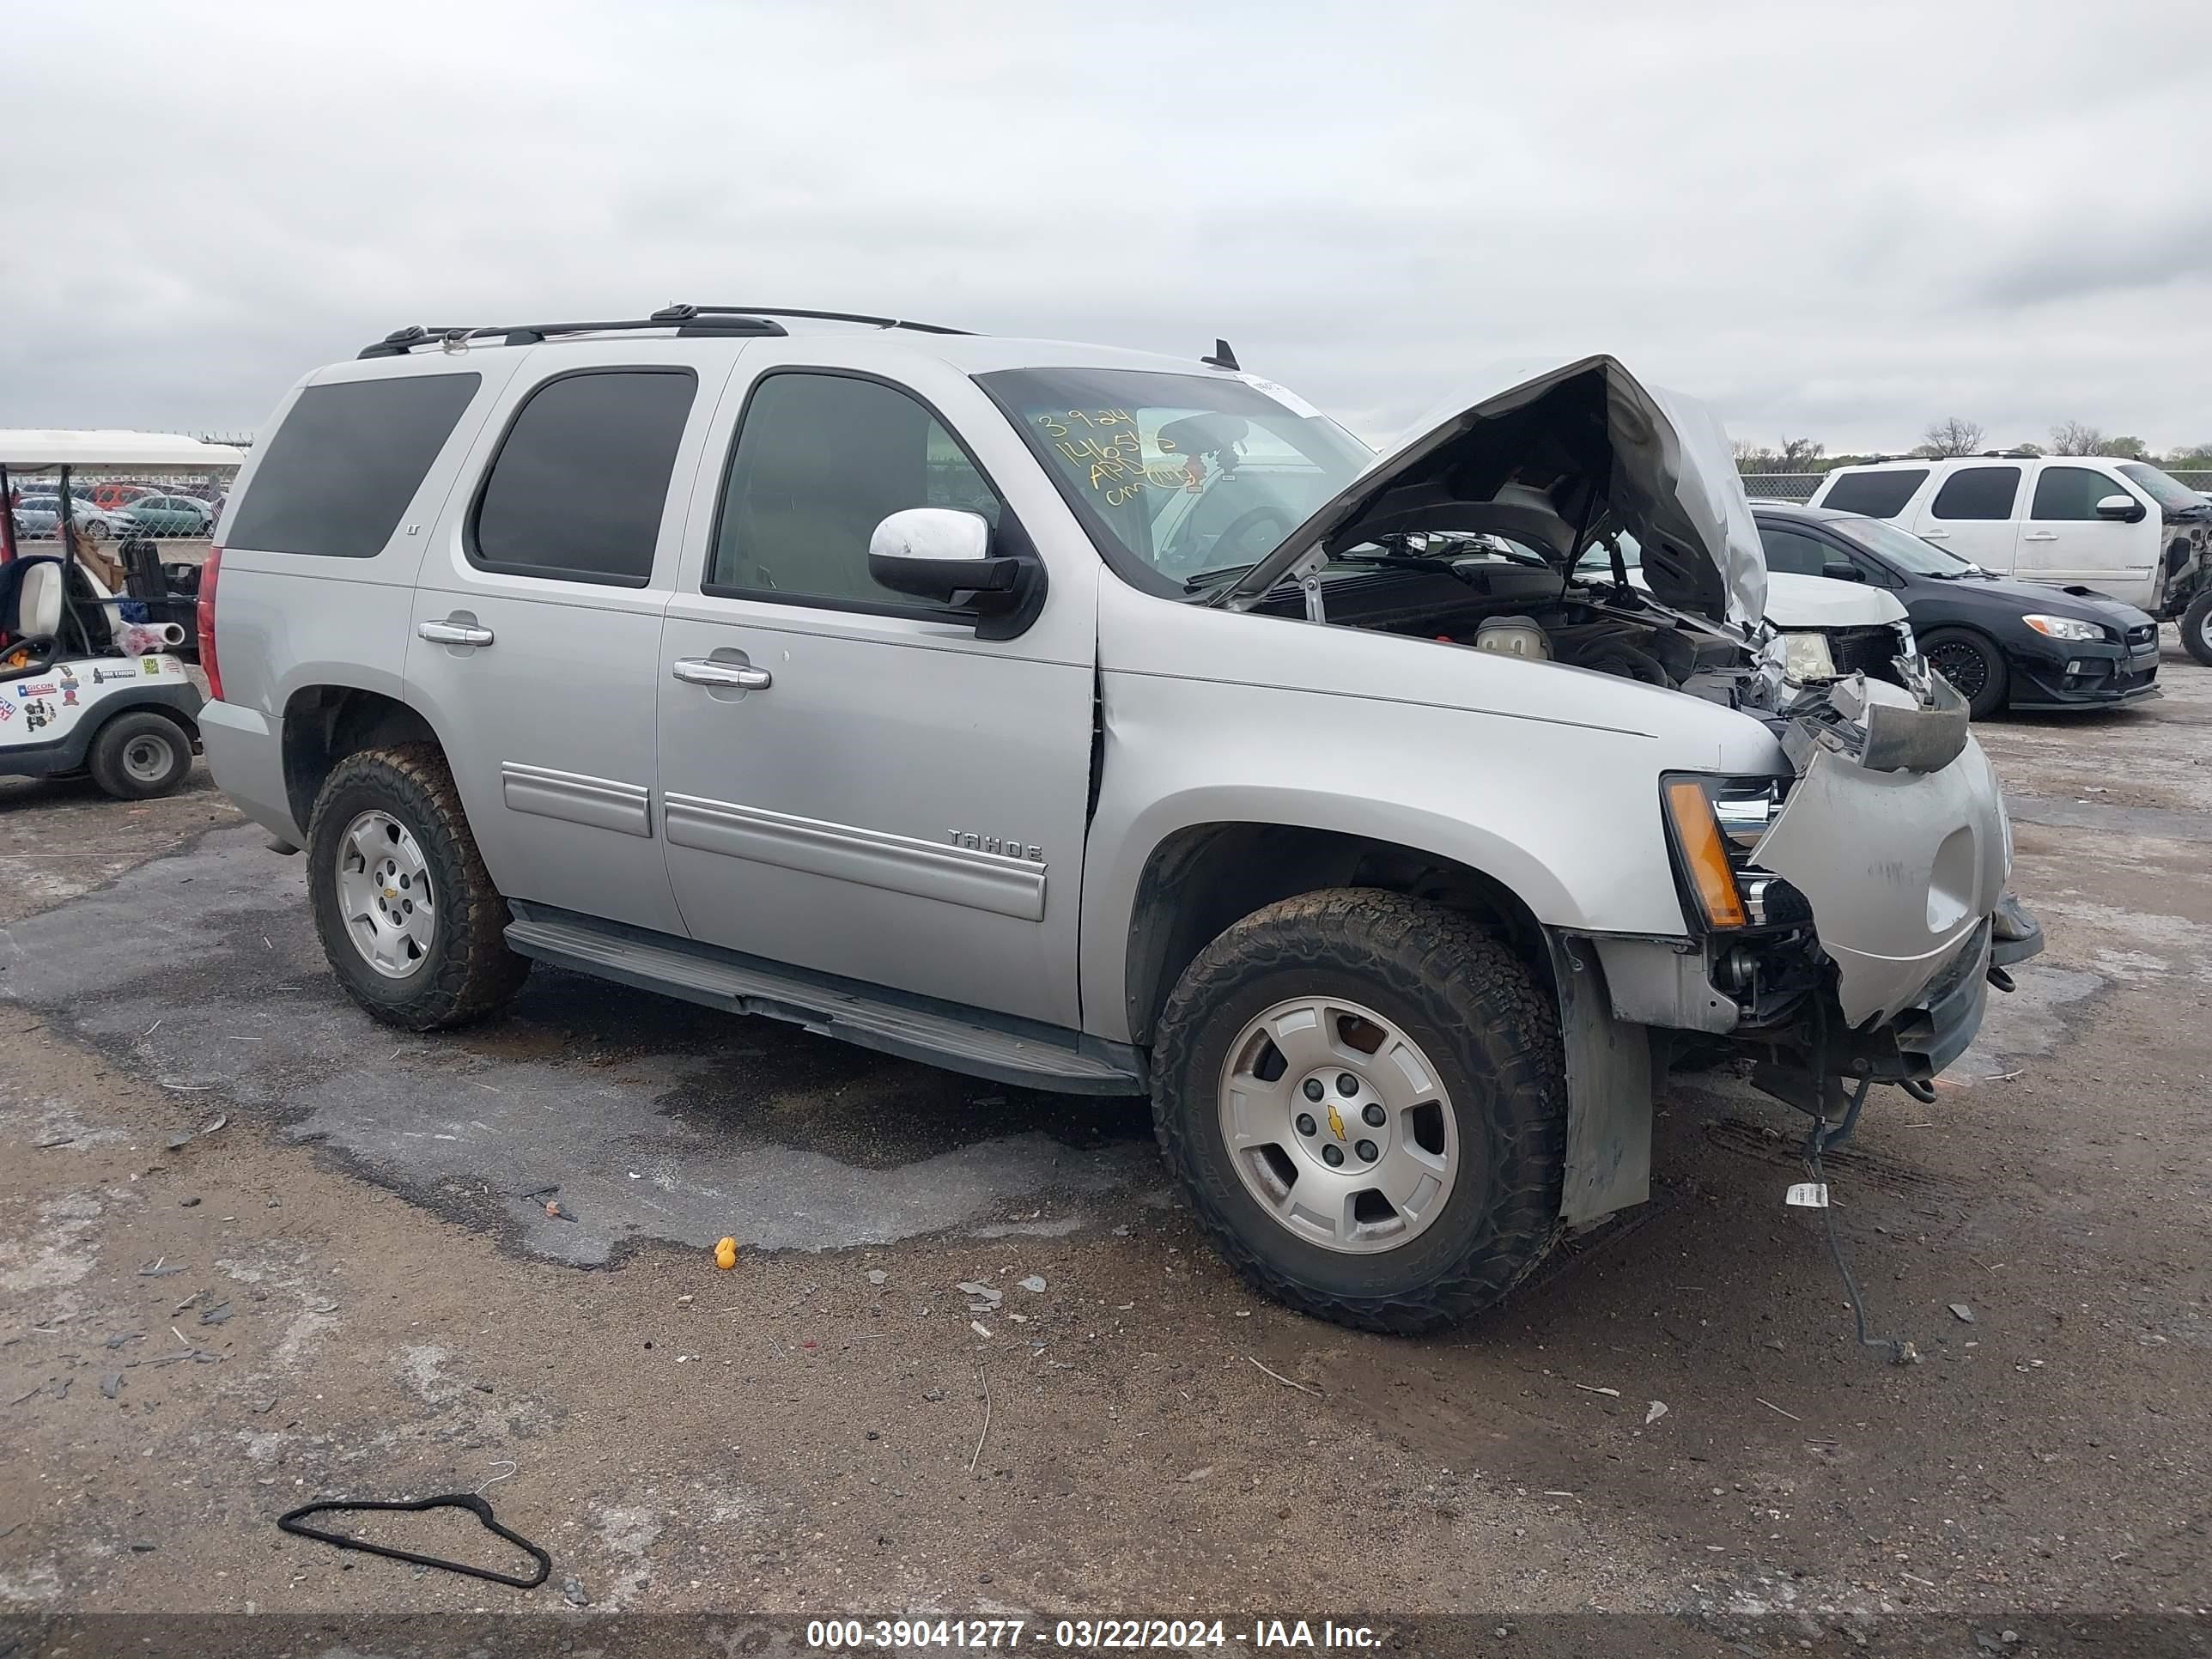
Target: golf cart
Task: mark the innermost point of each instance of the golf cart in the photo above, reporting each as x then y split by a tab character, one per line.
93	648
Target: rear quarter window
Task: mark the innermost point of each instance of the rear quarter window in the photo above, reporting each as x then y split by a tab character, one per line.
341	469
1878	494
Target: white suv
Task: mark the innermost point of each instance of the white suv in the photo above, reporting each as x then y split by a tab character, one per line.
2123	528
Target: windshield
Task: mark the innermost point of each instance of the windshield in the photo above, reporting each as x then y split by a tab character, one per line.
1179	475
2169	492
1901	548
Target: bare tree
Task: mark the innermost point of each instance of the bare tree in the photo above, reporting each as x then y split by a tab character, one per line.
1952	435
1800	455
2075	438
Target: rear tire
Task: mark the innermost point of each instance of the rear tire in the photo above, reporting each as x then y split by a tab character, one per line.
139	755
446	971
2197	628
1455	1010
1975	668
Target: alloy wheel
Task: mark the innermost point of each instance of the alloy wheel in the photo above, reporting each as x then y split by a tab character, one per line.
1338	1124
384	898
1963	666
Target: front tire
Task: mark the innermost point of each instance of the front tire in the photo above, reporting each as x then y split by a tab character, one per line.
406	911
2197	628
1450	1142
139	755
1975	668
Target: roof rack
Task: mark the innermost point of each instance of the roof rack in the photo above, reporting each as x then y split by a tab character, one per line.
821	317
687	321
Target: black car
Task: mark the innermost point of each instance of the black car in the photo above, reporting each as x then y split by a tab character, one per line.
2002	643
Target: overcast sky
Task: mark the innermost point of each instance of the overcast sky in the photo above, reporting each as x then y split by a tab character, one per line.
1841	222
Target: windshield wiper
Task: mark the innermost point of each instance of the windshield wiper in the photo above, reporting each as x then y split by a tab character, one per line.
1214	578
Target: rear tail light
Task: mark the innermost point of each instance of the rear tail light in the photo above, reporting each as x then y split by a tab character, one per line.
203	613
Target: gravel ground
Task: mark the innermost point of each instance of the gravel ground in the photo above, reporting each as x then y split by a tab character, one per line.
352	1286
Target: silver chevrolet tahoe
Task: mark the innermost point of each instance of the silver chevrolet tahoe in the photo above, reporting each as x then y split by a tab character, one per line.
1096	721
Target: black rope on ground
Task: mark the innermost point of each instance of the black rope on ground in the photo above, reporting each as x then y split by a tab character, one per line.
1818	1139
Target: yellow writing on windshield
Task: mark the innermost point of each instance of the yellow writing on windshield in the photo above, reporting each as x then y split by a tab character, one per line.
1112	462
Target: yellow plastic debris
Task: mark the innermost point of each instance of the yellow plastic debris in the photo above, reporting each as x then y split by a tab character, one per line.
726	1255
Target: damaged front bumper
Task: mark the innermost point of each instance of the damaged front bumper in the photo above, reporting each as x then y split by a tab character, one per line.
1894	832
1875	922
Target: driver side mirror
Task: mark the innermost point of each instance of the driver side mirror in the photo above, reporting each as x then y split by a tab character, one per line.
944	555
1842	570
2123	509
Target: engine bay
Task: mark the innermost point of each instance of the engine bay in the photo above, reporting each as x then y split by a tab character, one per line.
1524	610
1496	600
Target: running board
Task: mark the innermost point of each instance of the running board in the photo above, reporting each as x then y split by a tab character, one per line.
912	1031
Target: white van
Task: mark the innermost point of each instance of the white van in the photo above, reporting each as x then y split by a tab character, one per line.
2122	527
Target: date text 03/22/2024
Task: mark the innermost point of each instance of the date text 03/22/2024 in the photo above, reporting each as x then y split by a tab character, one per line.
1083	1635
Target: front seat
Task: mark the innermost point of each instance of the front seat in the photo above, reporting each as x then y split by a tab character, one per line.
30	610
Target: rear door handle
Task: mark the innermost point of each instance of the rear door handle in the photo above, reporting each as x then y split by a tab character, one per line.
735	676
453	633
1934	535
2040	535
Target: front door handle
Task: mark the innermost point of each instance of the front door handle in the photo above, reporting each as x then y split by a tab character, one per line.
2040	535
733	676
453	633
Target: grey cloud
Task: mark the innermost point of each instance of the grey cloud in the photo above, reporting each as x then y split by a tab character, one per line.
2117	253
1838	222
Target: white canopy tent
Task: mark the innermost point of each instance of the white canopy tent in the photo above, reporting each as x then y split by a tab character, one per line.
145	454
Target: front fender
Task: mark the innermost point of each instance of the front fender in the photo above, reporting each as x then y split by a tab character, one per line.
1576	836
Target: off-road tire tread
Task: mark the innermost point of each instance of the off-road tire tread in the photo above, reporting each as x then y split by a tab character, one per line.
477	973
103	758
1490	1002
2195	622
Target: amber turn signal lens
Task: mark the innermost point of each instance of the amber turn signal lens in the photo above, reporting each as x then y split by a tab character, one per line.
1698	833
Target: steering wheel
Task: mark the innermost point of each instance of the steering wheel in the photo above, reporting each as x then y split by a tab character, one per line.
1230	540
41	649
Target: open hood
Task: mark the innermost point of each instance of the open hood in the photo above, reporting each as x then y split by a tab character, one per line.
1550	463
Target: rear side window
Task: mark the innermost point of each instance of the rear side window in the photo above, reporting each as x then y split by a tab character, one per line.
349	458
1877	494
577	491
1977	492
2071	492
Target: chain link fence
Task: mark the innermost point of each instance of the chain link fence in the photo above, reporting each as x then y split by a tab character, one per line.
139	541
114	507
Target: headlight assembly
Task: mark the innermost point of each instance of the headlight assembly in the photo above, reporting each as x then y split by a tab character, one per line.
2064	628
1712	824
1806	657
